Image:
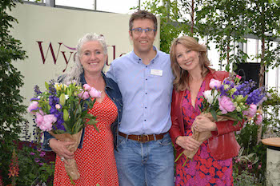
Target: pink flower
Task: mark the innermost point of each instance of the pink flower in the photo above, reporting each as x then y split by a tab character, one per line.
250	166
214	84
86	87
260	166
252	110
94	93
57	106
226	105
84	95
237	76
47	123
259	119
39	118
33	106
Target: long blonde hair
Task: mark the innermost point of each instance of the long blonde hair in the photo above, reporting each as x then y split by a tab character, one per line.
181	81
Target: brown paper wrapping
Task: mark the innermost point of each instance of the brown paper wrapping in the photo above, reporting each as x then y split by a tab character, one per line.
202	136
71	168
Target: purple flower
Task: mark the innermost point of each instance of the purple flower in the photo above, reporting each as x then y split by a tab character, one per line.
37	90
32	153
34	99
226	105
33	106
256	96
42	154
37	160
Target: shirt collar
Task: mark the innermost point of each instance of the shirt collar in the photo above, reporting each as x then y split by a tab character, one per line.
138	59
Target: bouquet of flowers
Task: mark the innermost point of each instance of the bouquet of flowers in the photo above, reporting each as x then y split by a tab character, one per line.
229	100
62	111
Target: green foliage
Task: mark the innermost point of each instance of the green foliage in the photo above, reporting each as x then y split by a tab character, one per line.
264	23
224	23
11	79
248	140
243	167
11	109
33	166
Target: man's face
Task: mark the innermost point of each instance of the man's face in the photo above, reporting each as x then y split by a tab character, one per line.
142	41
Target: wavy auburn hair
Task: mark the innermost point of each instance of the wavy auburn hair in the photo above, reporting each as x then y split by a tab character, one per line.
181	81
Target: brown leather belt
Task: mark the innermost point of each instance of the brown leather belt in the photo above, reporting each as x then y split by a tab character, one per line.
144	137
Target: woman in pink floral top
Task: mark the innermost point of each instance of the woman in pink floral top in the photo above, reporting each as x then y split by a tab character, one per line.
212	164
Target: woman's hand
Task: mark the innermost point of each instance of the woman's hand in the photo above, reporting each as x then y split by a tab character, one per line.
60	148
188	143
202	123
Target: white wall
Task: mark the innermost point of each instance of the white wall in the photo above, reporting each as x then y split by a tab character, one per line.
56	25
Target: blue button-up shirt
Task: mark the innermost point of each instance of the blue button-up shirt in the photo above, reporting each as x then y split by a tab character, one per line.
146	92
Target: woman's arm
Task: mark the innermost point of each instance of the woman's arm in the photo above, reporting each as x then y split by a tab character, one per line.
218	128
177	135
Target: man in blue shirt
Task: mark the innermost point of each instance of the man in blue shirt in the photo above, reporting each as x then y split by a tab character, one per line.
144	152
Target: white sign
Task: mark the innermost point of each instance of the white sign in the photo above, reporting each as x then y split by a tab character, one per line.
50	34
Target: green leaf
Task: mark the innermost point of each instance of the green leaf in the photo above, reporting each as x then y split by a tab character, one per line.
65	115
62	99
92	122
47	85
213	113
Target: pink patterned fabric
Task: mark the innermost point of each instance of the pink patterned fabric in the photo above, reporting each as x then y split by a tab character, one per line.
203	170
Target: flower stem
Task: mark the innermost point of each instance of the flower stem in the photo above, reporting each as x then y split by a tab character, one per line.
179	156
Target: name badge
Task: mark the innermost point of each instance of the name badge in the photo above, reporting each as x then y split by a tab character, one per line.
156	72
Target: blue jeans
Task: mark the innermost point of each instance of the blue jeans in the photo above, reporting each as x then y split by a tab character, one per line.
150	164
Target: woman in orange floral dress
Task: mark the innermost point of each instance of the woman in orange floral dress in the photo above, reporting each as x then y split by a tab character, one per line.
95	155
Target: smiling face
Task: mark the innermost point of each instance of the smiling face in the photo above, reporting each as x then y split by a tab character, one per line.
92	57
142	42
186	58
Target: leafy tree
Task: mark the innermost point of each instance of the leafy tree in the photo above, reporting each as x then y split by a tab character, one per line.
264	23
225	23
11	109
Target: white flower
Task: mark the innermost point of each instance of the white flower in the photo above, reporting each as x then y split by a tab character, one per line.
209	96
66	96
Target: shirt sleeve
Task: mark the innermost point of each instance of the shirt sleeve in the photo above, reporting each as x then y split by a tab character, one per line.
110	73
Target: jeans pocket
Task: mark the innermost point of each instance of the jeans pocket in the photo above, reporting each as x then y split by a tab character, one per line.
121	141
165	141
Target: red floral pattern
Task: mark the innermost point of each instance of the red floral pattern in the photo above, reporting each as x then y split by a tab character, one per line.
203	170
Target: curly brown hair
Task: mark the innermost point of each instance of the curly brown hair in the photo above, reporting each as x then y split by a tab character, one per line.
181	81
